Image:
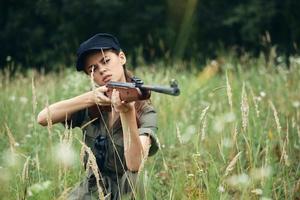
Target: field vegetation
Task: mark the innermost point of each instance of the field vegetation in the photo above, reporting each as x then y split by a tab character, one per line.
233	133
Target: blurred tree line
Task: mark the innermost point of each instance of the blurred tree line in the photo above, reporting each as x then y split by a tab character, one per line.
45	33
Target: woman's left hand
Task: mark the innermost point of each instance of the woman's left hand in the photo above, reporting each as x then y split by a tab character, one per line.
119	105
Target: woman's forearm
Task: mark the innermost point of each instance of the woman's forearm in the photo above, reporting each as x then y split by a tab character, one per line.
62	110
133	147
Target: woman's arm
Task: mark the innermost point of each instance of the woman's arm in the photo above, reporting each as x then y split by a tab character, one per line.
62	110
136	147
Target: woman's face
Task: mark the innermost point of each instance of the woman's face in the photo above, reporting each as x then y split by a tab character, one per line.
105	66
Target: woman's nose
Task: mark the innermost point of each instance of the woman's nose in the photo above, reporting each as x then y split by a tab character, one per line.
102	70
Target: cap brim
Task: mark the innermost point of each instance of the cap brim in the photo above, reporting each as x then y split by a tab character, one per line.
80	60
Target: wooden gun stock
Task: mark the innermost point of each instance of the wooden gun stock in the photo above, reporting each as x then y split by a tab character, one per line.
128	92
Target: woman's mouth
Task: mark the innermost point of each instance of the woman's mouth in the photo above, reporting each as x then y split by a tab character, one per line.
106	78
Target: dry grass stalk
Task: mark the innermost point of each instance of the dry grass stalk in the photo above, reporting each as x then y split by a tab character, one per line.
284	156
255	102
275	116
203	129
88	123
92	164
244	108
229	92
49	123
11	139
144	156
203	114
34	101
82	154
25	170
232	163
37	162
178	134
64	194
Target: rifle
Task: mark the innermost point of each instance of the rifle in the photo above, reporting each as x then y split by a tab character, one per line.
135	91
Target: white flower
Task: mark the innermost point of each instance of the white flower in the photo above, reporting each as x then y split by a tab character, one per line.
261	173
191	175
190	131
257	191
258	98
219	125
229	117
11	159
265	198
65	154
12	98
221	189
227	142
262	94
38	187
23	100
8	58
296	104
238	180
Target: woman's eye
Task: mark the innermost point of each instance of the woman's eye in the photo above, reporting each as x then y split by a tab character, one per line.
93	68
106	61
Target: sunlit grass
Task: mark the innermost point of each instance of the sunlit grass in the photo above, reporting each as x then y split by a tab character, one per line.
233	133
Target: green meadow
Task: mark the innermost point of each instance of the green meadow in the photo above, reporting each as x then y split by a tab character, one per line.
233	133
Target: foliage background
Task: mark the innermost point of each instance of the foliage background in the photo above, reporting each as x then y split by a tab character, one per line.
46	33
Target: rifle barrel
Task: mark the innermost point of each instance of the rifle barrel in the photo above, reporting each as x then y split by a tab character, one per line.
162	89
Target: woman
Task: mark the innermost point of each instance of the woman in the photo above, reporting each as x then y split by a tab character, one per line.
121	138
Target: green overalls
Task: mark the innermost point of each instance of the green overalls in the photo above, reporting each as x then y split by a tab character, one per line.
117	181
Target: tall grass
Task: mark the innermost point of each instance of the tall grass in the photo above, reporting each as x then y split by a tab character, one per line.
233	133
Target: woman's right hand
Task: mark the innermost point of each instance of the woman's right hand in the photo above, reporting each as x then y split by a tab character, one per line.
99	96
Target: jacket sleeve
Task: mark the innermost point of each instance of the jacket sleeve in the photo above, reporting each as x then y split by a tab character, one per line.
148	126
76	119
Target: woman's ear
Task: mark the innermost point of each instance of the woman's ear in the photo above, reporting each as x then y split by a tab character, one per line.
122	57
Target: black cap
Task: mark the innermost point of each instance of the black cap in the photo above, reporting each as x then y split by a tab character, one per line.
97	42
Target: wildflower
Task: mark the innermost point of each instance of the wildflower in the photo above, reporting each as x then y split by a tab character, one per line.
227	142
296	104
244	108
261	173
8	58
10	158
229	117
262	94
257	191
12	98
221	189
190	131
65	154
23	100
238	180
38	187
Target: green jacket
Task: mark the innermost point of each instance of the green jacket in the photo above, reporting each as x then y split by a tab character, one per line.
115	160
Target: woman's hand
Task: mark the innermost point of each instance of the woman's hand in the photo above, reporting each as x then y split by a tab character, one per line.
100	98
118	105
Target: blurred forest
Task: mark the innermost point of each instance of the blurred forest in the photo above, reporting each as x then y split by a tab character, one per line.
46	33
